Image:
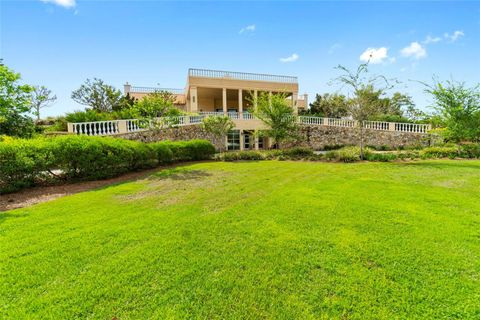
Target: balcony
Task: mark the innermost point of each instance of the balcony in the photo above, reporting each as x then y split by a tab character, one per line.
154	89
217	74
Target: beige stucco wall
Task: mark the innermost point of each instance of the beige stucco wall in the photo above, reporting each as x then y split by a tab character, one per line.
242	84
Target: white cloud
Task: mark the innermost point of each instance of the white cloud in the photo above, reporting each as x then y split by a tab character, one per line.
62	3
374	55
249	28
455	36
431	39
334	48
414	50
292	58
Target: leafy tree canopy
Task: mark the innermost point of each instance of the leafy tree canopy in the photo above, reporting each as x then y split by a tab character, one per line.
458	107
276	113
15	104
329	105
97	95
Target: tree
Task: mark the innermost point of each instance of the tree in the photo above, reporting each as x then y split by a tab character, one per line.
125	102
98	95
329	105
366	91
41	98
276	113
157	104
15	104
154	106
219	126
458	107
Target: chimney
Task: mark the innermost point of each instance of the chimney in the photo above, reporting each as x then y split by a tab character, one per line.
126	88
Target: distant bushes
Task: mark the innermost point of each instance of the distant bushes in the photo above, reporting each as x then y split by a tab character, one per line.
24	163
297	153
352	154
347	154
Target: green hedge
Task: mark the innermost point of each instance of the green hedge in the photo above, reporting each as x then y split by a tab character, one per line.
192	150
24	163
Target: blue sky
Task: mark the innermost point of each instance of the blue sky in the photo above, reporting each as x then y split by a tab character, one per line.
60	43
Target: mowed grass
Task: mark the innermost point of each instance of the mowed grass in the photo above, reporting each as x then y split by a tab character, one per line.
253	240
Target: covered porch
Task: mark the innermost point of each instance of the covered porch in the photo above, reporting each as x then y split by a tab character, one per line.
226	100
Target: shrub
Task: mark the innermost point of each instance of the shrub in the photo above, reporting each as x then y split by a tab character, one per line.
382	157
100	157
23	163
241	155
411	154
164	153
297	152
192	150
470	150
347	154
440	152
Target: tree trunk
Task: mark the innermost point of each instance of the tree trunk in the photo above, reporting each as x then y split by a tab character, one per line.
361	141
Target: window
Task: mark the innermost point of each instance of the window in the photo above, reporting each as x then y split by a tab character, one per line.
233	140
246	141
260	143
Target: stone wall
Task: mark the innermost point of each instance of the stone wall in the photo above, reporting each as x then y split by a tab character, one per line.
174	134
319	137
312	136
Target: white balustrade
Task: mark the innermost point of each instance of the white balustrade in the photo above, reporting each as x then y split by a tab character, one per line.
341	122
102	128
376	125
96	128
311	120
412	127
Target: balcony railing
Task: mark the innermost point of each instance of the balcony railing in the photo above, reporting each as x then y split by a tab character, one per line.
103	128
153	89
204	73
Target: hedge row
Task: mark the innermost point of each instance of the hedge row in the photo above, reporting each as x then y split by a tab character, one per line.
24	163
352	154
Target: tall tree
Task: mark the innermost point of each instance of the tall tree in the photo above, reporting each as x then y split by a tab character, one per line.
329	105
15	104
365	90
41	98
276	113
97	95
458	107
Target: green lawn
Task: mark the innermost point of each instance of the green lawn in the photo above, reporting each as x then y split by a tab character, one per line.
270	240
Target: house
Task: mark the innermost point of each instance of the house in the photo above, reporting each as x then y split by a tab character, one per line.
226	92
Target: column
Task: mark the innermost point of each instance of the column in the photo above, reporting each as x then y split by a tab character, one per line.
122	126
240	103
224	100
255	99
256	142
242	140
294	102
193	99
